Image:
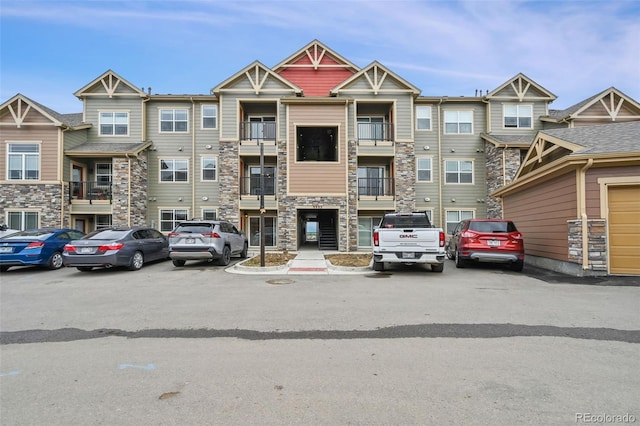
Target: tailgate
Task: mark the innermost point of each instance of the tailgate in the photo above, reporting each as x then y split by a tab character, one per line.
399	238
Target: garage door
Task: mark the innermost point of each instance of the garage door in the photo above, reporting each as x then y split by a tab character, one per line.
624	229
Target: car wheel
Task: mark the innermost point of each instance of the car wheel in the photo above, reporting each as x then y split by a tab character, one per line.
178	263
55	262
460	263
245	251
378	266
226	256
517	266
437	267
450	253
136	261
85	268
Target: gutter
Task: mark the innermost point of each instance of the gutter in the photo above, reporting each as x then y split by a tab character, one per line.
582	199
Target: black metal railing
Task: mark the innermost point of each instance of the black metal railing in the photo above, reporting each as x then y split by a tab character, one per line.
377	187
258	131
376	132
251	186
90	190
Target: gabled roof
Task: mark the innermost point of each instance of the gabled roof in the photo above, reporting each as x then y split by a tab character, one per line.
25	104
315	51
103	149
375	74
109	84
512	141
520	85
257	74
611	99
616	138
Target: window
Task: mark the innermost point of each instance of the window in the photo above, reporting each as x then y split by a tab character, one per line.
103	173
174	120
317	143
209	168
23	220
423	117
103	221
114	123
455	216
209	116
269	180
174	170
269	231
262	129
365	230
424	169
208	214
371	129
458	122
458	171
371	181
518	116
169	218
24	161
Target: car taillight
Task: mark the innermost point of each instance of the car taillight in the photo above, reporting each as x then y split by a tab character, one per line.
376	239
173	234
69	248
211	234
469	234
35	245
442	239
112	246
516	236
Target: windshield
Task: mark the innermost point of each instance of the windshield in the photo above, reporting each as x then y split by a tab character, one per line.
492	226
416	221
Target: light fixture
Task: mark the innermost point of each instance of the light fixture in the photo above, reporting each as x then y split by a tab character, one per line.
208	147
453	150
427	148
453	200
179	198
205	198
179	148
427	199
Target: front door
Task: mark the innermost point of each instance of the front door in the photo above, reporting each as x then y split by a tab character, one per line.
77	178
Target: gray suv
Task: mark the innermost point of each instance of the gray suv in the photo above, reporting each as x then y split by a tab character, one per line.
206	240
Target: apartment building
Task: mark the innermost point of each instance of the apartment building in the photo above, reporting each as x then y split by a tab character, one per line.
339	145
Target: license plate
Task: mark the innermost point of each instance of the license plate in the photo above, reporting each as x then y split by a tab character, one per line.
191	240
85	250
6	249
408	255
493	243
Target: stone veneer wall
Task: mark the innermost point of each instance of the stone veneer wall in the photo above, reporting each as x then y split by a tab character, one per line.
46	198
351	243
229	205
405	163
496	174
129	182
597	235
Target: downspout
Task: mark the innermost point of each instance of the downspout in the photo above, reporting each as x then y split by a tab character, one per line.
582	194
441	169
193	157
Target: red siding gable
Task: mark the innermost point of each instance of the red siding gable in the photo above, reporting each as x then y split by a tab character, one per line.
316	82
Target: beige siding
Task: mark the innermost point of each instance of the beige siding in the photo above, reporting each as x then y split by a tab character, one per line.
593	188
47	136
309	177
132	105
541	213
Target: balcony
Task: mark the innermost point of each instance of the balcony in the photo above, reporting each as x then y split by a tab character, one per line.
255	133
376	193
375	138
250	193
90	197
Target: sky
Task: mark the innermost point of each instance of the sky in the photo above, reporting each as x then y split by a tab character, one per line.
575	49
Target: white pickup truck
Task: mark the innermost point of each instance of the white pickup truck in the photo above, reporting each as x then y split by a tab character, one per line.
408	238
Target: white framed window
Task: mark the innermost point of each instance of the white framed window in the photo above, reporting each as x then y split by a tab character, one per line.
269	231
518	116
103	221
261	128
424	169
209	116
209	168
174	170
371	128
209	214
169	218
114	123
103	173
455	216
458	171
423	117
174	120
365	230
372	181
23	219
458	122
23	161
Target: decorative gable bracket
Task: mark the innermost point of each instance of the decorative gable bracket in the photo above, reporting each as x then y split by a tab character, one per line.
20	114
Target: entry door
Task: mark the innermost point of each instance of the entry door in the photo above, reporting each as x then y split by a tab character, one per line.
77	178
624	229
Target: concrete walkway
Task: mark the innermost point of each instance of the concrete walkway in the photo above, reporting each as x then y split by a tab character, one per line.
307	261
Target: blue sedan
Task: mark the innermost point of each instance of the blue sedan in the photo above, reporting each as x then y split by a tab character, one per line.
42	247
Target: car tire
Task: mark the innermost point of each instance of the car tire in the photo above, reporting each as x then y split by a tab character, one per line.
450	254
517	266
437	267
137	260
179	262
55	261
245	251
460	263
378	266
225	259
85	268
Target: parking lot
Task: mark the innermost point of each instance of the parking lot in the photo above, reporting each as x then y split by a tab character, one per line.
198	345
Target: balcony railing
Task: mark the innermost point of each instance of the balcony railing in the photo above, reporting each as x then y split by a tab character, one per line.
251	186
376	187
375	132
90	190
258	131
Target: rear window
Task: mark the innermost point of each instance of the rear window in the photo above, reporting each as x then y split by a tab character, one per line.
34	234
492	227
107	234
195	228
417	221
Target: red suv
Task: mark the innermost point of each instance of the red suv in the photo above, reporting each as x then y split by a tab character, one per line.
486	240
